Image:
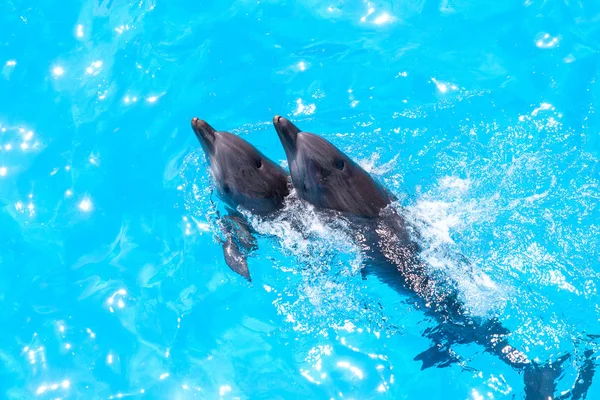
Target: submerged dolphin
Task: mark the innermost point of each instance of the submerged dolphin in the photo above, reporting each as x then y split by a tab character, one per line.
327	178
244	178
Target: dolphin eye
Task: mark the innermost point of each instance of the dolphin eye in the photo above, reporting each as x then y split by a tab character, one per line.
340	164
258	163
226	189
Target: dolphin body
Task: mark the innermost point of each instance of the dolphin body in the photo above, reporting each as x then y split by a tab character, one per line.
246	178
328	179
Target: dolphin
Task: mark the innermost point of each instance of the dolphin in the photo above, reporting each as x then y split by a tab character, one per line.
328	179
245	179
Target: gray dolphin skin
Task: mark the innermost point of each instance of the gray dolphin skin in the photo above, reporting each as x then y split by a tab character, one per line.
246	178
327	178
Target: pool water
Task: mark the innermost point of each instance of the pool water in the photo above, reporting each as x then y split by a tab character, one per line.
480	116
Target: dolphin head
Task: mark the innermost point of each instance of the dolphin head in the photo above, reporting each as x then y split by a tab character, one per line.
325	176
243	175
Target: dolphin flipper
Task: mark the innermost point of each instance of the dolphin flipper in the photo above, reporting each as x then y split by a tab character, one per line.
235	258
437	356
238	244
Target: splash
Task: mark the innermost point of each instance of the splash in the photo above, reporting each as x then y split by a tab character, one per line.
513	223
318	284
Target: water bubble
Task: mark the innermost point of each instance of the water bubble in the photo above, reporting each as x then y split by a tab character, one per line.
223	390
58	71
85	205
382	19
545	41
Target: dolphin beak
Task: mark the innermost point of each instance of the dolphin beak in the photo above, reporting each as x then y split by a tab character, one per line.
288	134
205	133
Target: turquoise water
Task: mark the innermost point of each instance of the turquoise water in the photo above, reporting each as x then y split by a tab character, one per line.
480	116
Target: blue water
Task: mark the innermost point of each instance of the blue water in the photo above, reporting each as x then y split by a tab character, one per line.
481	117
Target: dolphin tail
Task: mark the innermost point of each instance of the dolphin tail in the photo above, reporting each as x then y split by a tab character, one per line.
238	243
540	379
584	377
583	382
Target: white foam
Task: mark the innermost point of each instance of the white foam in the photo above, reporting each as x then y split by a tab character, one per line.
299	227
449	209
